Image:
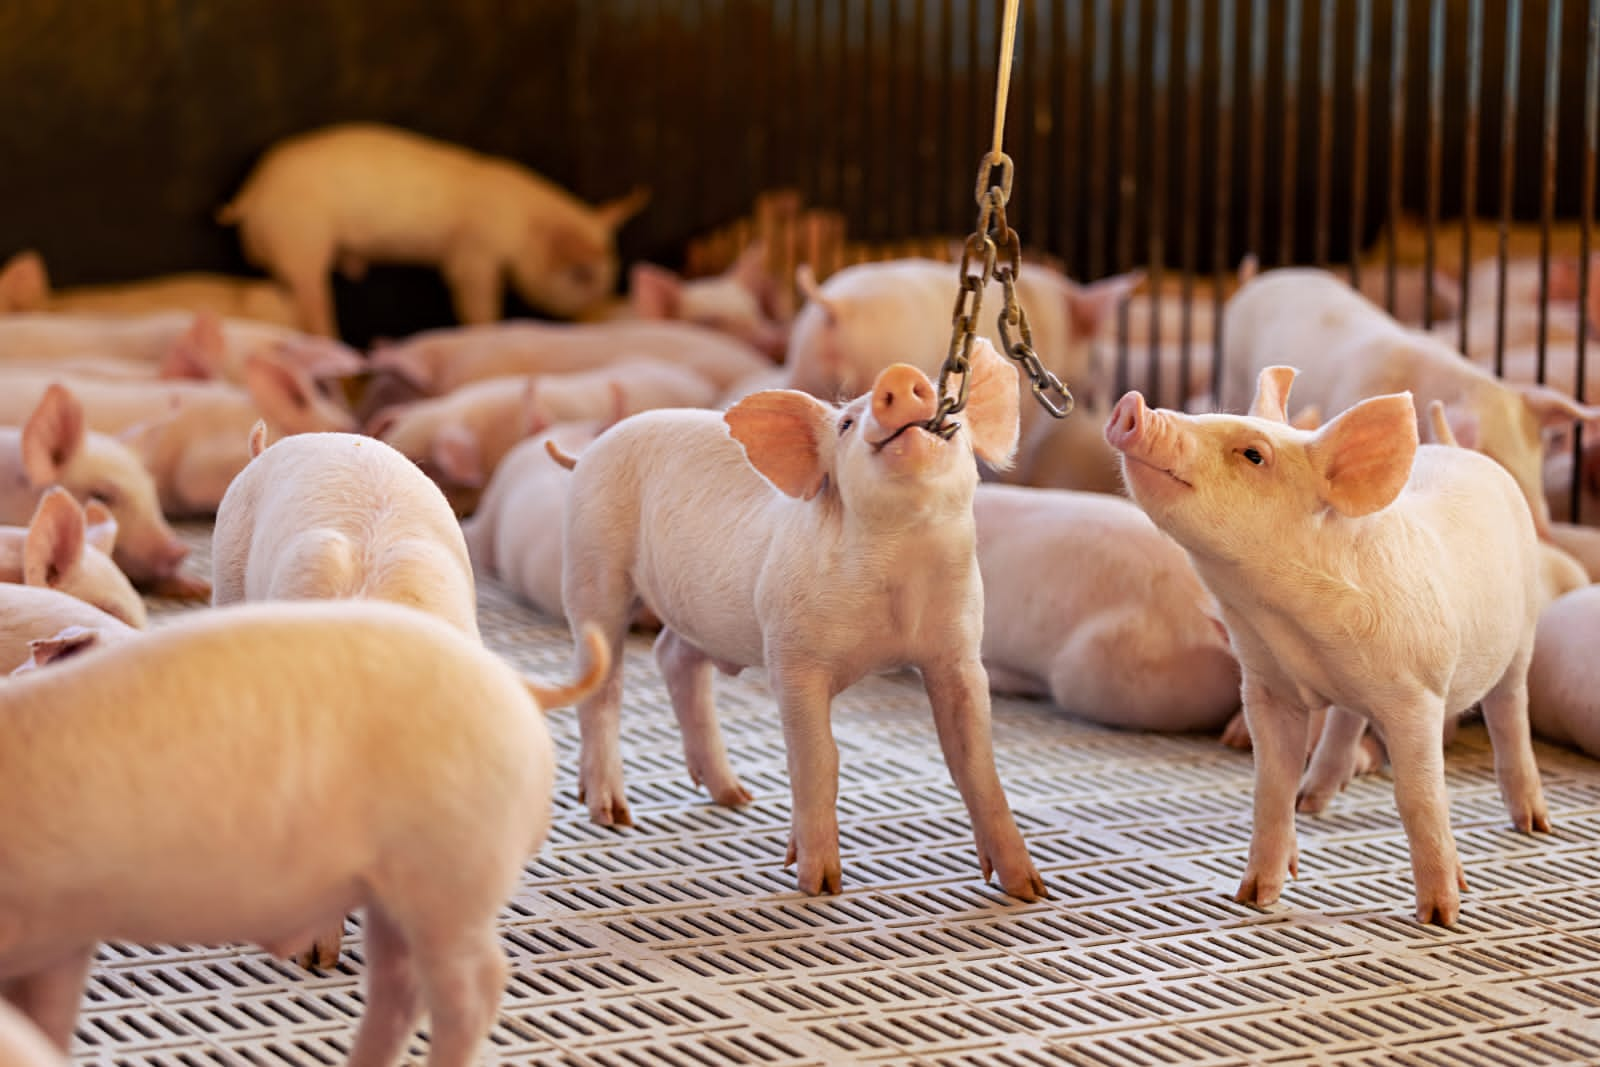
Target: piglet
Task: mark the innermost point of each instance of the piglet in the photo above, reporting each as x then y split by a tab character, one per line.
276	766
1338	557
21	1043
25	286
742	301
854	553
360	193
1126	635
1564	678
1349	350
439	361
31	613
515	534
54	447
67	546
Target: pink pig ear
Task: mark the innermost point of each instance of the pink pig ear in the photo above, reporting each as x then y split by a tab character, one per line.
1364	456
52	435
1090	307
54	544
993	410
654	292
458	457
784	432
1272	394
24	283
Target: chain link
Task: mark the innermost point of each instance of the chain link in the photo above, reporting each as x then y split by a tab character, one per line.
998	249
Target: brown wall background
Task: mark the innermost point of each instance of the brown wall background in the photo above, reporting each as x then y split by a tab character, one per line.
1192	130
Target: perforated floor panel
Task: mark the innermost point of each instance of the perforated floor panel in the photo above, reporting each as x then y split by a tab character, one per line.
683	942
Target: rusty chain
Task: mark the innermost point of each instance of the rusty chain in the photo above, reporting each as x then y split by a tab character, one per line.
999	249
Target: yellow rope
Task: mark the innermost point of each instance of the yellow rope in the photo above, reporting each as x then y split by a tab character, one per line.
1008	40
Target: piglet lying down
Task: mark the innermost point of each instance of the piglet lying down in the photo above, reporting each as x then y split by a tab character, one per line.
822	543
252	773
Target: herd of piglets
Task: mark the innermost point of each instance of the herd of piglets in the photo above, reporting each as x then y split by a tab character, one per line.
763	494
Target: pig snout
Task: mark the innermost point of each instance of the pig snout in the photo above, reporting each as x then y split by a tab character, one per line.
1128	427
901	397
1145	435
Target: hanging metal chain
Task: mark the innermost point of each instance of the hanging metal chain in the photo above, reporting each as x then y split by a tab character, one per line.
995	245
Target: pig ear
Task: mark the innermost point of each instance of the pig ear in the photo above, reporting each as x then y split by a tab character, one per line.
993	411
784	433
54	544
1272	394
24	283
532	419
654	292
1364	456
197	352
258	438
1090	307
52	435
456	454
100	526
1552	407
1307	418
750	271
281	392
383	420
614	213
68	642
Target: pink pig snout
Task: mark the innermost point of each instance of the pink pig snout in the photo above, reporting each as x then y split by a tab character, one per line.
167	558
902	395
1127	428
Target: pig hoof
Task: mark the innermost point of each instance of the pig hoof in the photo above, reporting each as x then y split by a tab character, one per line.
1438	913
1312	802
1258	891
826	880
1029	888
732	796
615	813
1532	820
1237	734
320	956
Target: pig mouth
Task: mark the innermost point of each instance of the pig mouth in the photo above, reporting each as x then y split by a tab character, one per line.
879	446
1169	473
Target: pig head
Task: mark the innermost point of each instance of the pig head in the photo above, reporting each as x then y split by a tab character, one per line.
568	260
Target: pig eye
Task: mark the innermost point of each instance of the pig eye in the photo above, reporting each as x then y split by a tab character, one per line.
845	424
1253	456
106	496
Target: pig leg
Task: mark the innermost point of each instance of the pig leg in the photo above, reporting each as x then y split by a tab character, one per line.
958	690
393	1003
688	674
50	996
305	274
476	287
1505	713
463	979
1334	761
1418	759
1278	743
813	759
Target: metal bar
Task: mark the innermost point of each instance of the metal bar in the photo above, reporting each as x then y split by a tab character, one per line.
1193	80
1099	150
1227	71
1328	32
1162	46
1035	132
1397	145
1591	153
949	161
1435	151
1469	168
1547	197
1508	171
1287	202
1128	167
1361	90
1067	150
1258	103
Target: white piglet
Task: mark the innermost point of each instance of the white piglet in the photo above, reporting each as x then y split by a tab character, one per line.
260	770
823	543
1364	573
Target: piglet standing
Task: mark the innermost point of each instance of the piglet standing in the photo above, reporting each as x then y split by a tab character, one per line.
1339	559
854	553
276	766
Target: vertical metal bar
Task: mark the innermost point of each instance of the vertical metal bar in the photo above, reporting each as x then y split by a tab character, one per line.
1161	47
1397	143
1037	121
950	161
974	93
1469	168
1193	82
1288	202
1099	150
1361	89
824	132
1128	167
1591	152
1547	199
1067	150
926	123
1508	171
1435	151
1328	32
1221	254
1258	103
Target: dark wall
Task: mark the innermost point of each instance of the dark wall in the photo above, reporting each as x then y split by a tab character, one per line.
127	122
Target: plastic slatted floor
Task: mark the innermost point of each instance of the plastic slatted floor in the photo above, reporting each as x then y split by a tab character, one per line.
683	942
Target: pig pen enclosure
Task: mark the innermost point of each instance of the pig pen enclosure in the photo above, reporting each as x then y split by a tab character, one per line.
1174	136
